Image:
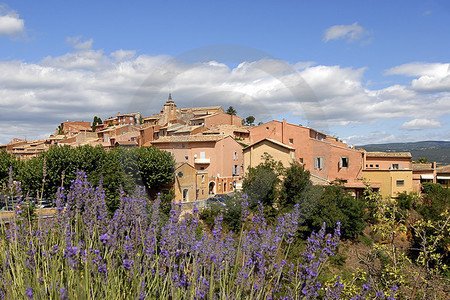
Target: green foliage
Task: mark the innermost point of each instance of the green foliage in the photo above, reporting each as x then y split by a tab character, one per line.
260	184
156	168
7	160
338	260
436	200
337	205
208	215
167	198
406	201
250	120
423	160
232	214
365	240
119	167
96	121
231	111
59	130
296	182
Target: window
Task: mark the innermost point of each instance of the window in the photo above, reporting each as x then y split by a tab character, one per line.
186	158
371	166
185	195
377	166
235	170
267	128
202	154
236	156
291	141
202	168
318	163
400	182
343	162
182	146
203	178
396	166
300	160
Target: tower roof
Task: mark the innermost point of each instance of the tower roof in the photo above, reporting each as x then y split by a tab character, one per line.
169	99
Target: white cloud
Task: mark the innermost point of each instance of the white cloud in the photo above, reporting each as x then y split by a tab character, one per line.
88	82
420	124
349	32
121	55
432	77
10	22
77	43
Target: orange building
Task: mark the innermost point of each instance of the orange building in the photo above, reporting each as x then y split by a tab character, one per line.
324	156
423	173
443	176
220	156
74	127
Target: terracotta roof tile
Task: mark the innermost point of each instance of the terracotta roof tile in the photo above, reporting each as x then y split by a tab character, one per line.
422	167
272	141
389	154
443	169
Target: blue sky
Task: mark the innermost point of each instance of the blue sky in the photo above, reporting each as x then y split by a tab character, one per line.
366	71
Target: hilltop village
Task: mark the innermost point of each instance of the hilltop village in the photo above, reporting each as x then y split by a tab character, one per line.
213	150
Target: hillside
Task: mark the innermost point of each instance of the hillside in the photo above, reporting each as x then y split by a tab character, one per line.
438	151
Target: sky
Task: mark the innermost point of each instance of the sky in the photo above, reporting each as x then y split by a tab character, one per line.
364	71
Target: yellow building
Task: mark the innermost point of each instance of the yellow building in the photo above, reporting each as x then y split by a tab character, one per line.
391	182
190	184
391	171
280	152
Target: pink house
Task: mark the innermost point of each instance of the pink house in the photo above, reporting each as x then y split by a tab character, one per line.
219	155
217	119
324	156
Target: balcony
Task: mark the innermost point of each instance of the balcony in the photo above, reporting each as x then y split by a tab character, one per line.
202	161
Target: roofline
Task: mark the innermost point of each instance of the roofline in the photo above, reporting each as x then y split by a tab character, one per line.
272	141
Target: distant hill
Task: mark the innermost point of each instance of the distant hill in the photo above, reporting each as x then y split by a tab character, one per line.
438	151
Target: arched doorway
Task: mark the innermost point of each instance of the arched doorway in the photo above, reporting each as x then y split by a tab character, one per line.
212	188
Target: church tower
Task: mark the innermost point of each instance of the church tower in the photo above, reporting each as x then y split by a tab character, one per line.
169	111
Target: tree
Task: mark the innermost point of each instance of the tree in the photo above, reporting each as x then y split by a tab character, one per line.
59	130
7	160
231	111
436	200
422	160
250	120
337	205
261	184
95	122
296	181
156	168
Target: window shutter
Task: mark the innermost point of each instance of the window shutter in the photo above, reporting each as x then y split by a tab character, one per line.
399	166
340	162
316	163
392	166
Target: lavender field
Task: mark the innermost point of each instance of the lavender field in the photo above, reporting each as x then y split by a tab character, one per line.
83	253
